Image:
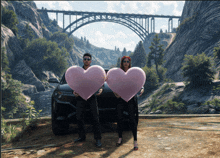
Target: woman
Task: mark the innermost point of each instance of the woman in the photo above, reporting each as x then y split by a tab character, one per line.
130	105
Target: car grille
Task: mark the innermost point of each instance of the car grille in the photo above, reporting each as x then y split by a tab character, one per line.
66	98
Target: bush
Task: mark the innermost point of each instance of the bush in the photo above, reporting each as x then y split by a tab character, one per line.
62	40
171	106
198	70
215	102
27	37
187	23
9	19
152	79
217	52
47	56
5	62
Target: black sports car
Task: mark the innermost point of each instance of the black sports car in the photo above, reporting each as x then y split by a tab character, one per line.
63	104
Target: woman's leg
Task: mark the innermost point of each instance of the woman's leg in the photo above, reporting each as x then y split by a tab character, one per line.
120	118
131	111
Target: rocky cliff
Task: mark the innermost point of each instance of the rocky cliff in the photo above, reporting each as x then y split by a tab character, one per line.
198	32
40	24
165	39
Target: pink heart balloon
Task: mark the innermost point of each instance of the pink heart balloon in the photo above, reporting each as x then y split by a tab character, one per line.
85	82
126	84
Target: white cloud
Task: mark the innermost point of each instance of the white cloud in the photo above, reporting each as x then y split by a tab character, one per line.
46	4
110	41
111	5
65	5
176	11
150	7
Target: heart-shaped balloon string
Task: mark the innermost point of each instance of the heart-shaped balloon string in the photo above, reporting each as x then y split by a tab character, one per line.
126	84
85	82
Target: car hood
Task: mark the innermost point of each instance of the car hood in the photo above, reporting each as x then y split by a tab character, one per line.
64	87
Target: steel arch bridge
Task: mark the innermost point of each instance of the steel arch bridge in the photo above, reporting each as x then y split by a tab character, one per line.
130	21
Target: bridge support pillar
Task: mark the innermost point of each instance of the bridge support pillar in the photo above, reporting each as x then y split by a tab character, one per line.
152	25
170	27
63	20
57	17
148	27
70	21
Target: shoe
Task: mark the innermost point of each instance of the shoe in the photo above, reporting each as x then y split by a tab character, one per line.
79	140
98	143
135	148
119	144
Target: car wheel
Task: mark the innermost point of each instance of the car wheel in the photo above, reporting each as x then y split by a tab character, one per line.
58	127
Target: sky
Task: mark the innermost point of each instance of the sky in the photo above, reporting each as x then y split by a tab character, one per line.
108	34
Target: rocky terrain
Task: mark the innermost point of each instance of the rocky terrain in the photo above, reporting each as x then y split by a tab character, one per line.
198	32
193	99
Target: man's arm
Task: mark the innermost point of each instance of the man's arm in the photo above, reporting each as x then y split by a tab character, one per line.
99	92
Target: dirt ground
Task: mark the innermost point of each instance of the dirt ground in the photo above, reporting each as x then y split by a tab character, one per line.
157	138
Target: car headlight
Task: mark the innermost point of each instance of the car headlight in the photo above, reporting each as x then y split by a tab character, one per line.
58	94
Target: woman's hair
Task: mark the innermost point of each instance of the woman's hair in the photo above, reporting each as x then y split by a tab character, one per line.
122	59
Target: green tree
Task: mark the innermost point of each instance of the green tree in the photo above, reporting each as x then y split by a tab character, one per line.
156	53
152	79
124	53
26	37
88	45
9	19
118	62
12	100
46	55
199	70
139	57
217	52
5	62
62	40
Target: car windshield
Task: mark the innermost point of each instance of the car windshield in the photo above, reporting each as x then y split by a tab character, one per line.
63	80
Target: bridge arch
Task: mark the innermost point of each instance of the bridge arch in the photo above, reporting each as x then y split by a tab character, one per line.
127	22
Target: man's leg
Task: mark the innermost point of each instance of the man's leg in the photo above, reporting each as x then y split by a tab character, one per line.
96	124
119	119
80	110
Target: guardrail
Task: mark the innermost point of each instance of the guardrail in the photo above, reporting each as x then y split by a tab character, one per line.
141	116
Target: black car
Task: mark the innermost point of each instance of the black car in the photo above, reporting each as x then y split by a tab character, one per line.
63	104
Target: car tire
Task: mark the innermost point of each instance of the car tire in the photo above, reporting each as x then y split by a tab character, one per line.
58	127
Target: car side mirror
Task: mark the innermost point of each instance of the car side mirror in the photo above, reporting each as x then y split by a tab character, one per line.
53	80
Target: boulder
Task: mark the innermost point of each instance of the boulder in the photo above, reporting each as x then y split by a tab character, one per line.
23	73
11	43
217	108
195	109
29	89
46	33
212	111
158	112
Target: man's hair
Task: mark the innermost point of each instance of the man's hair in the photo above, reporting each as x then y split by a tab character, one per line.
87	54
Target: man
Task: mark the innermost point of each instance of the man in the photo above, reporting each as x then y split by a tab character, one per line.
81	106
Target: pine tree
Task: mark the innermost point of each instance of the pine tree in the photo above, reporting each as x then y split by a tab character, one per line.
156	53
9	19
124	53
88	45
118	62
139	56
